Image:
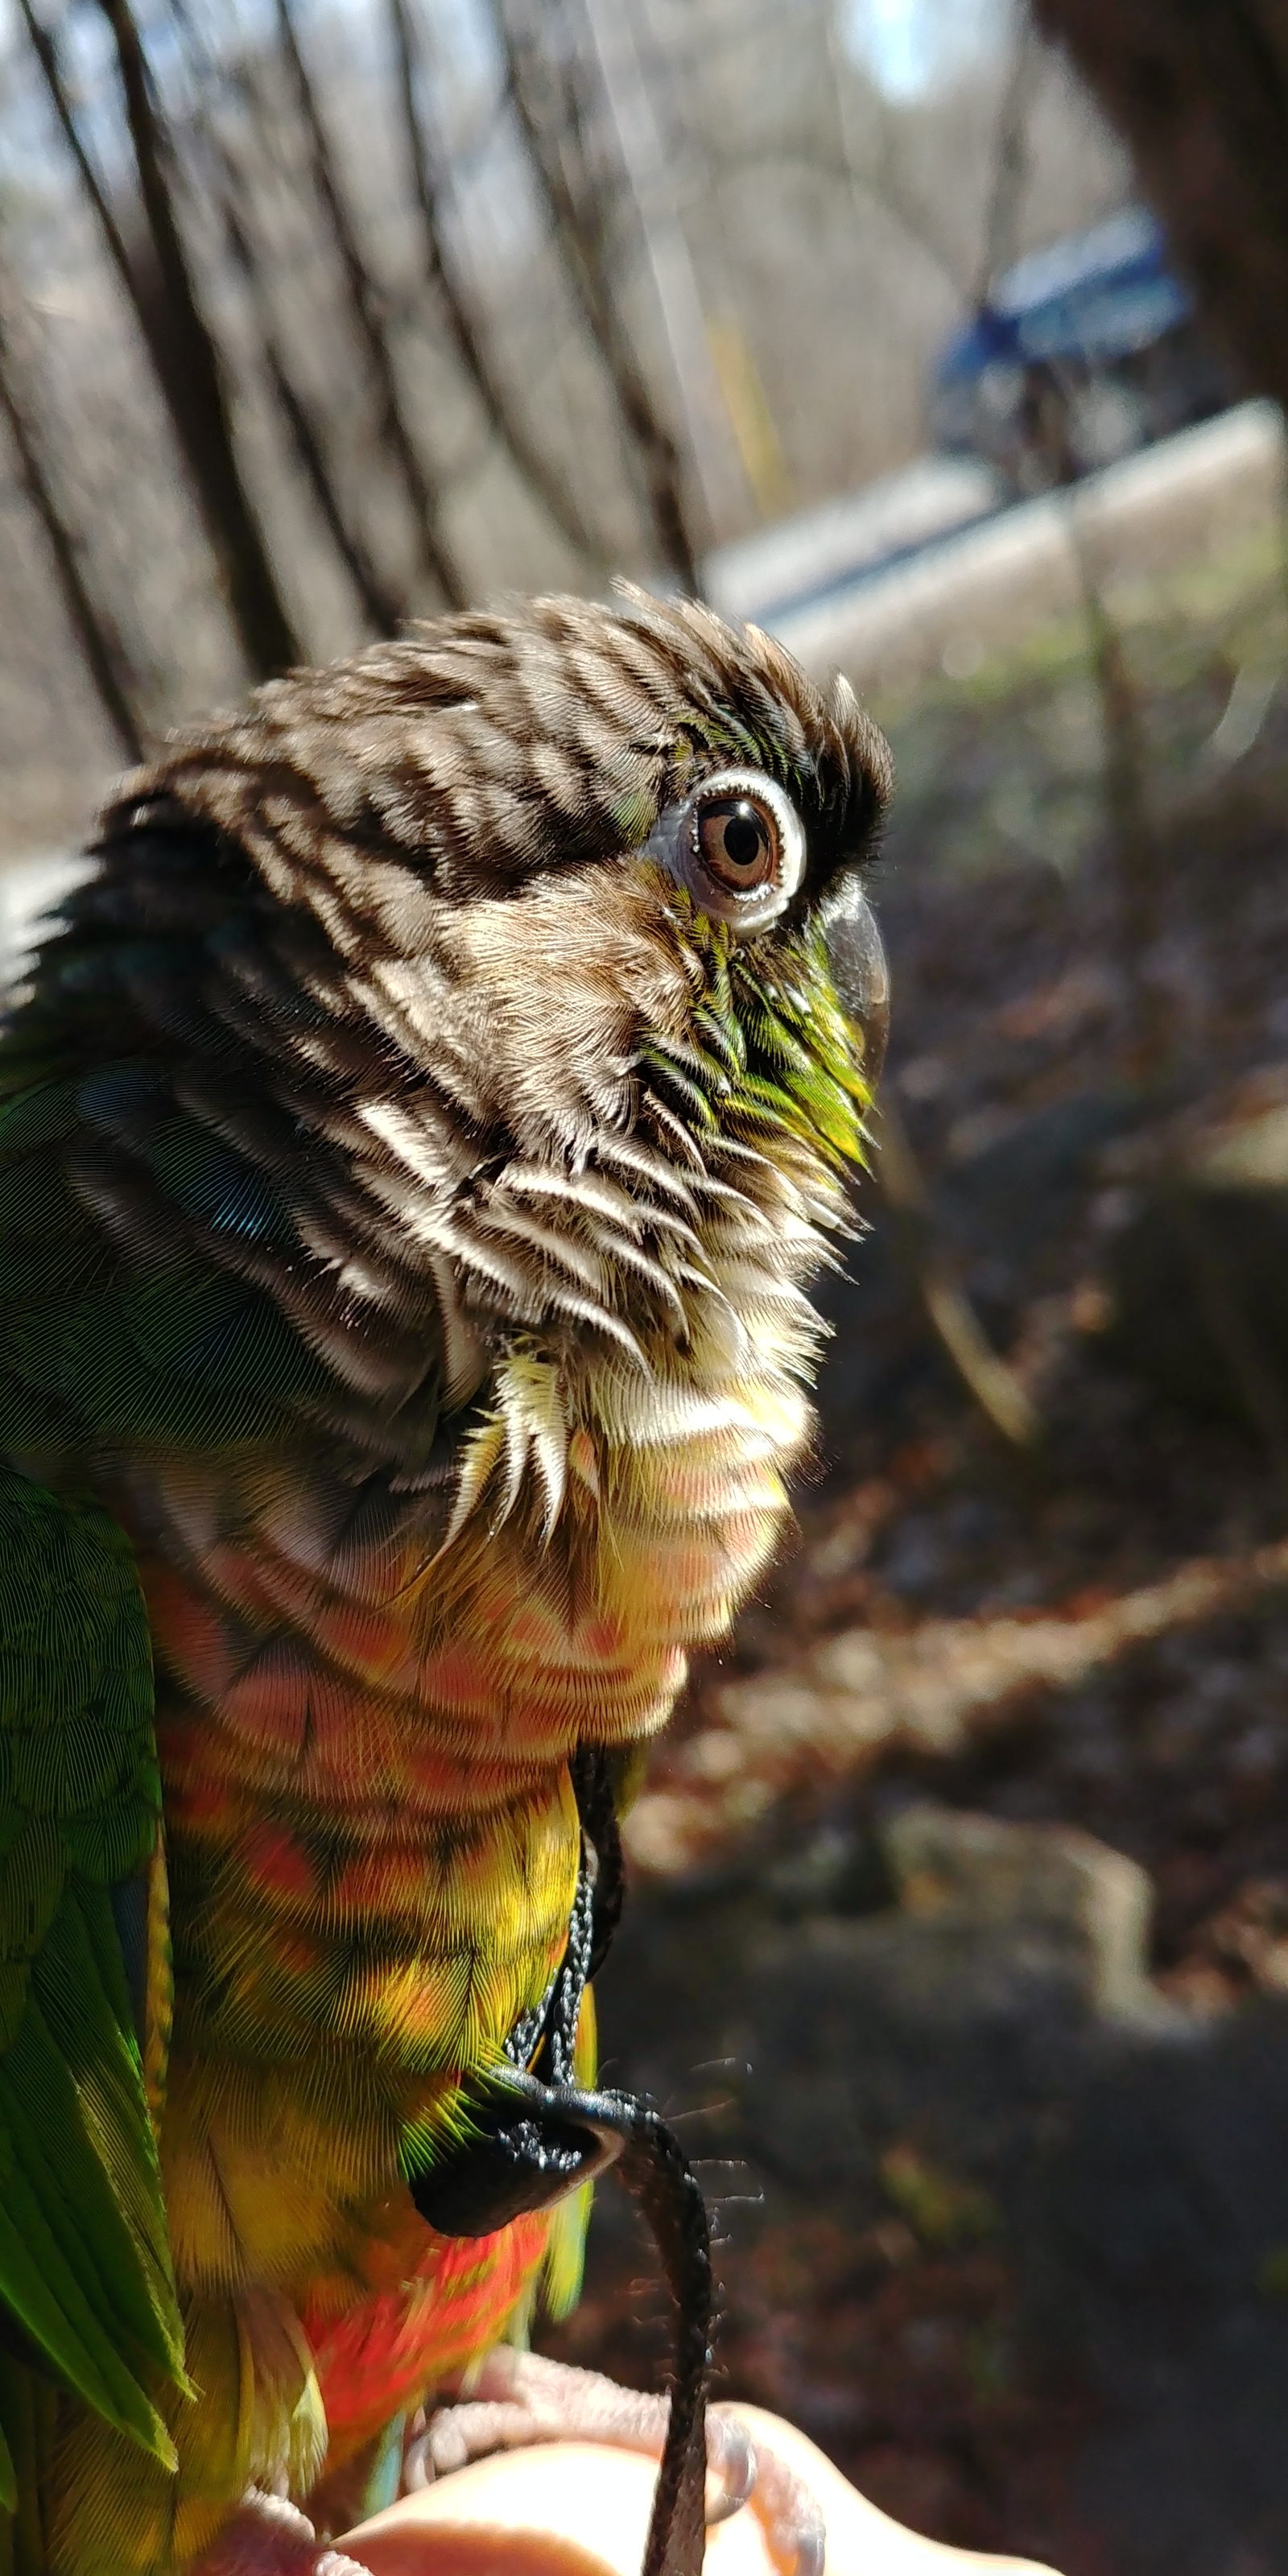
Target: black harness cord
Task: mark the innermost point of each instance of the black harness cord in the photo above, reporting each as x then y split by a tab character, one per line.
596	1806
536	2135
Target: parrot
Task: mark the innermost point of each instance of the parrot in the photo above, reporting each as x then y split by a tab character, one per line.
419	1134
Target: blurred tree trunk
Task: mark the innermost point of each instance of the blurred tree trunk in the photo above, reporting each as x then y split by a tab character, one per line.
102	649
556	94
1199	89
368	311
504	416
185	359
383	603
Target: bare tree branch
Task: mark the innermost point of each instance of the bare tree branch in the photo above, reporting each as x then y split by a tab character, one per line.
184	356
881	186
1201	94
995	1388
1010	160
105	656
838	172
384	604
548	79
366	305
503	415
45	51
1134	840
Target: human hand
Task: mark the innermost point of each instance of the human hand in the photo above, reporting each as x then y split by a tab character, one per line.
581	2509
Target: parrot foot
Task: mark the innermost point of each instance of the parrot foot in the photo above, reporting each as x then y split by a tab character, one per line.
269	2537
520	2398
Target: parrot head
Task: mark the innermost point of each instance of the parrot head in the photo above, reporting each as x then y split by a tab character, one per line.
502	1008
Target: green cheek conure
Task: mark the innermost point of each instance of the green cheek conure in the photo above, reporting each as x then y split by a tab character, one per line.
416	1140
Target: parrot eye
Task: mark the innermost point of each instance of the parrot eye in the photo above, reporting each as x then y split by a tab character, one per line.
738	844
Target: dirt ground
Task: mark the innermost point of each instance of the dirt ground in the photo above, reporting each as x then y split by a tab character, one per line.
962	2268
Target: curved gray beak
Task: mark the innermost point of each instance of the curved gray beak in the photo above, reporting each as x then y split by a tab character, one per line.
858	961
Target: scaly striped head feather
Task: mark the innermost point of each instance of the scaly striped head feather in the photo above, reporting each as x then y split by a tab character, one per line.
386	1058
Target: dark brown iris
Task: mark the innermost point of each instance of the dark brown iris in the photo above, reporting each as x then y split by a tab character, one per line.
738	841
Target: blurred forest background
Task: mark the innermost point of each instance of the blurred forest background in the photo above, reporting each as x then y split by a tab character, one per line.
314	317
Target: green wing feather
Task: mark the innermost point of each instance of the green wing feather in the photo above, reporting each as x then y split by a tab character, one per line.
84	2256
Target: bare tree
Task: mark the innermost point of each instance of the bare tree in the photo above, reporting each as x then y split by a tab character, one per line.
97	636
272	277
367	308
1200	92
1010	161
185	359
382	600
504	416
552	83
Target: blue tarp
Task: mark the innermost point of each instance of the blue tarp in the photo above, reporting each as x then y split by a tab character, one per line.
1099	296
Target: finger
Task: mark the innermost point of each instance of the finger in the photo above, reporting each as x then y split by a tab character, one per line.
582	2509
861	2540
568	2509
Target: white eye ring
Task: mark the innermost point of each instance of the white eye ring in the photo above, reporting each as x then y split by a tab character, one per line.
677	843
